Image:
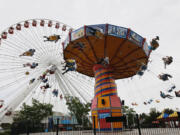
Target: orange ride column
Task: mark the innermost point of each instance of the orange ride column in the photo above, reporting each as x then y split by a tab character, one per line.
106	103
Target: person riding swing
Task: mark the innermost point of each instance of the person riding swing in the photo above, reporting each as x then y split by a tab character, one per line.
154	43
164	77
30	52
167	60
52	38
163	95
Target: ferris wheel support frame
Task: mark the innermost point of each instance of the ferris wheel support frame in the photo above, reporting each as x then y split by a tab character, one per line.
70	85
57	75
19	98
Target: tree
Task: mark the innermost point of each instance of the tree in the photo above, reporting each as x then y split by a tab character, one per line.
168	111
29	118
35	113
146	119
130	115
78	109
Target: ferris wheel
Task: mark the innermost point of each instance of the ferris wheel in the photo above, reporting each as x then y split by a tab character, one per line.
31	67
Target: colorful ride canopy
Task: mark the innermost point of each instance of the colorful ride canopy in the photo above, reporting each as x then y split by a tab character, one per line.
126	50
174	114
163	116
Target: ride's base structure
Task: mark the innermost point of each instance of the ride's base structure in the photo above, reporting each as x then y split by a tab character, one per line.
106	103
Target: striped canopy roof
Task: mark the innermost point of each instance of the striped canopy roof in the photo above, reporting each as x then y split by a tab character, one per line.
163	115
174	114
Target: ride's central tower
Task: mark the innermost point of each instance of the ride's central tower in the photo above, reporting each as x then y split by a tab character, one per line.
106	103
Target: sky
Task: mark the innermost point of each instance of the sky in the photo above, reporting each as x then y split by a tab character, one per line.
148	18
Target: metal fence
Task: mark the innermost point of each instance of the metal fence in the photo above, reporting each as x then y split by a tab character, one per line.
87	126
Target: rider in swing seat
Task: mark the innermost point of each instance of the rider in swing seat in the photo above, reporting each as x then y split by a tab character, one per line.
53	38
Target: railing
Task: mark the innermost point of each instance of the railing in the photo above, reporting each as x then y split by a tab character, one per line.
89	128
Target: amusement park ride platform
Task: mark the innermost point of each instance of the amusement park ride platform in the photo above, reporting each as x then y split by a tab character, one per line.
126	50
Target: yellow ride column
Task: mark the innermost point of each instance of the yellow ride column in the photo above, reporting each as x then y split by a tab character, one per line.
106	103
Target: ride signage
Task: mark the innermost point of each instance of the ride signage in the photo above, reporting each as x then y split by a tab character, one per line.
116	119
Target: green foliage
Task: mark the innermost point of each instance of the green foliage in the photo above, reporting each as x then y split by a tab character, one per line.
146	119
5	129
6	125
35	113
130	115
5	133
78	109
168	111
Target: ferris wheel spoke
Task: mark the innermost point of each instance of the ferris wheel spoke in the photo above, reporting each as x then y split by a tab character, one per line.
17	56
38	40
71	86
54	86
55	44
83	85
18	99
29	38
50	91
38	91
10	69
18	41
76	90
15	41
30	96
52	33
11	45
25	87
48	45
39	72
30	42
9	56
82	81
12	63
16	71
11	83
61	85
6	77
46	91
9	64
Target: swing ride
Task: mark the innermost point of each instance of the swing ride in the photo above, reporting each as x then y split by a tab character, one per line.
108	53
